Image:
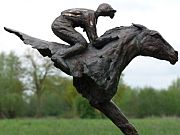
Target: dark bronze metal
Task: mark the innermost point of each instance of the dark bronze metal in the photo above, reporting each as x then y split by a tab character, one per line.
63	27
96	69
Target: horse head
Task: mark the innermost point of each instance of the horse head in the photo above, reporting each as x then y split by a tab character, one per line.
152	44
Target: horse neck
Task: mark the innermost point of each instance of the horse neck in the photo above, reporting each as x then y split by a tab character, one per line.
127	46
130	50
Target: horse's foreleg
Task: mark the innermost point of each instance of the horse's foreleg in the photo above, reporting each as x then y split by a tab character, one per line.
116	116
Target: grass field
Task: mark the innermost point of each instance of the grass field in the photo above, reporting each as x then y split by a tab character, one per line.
52	126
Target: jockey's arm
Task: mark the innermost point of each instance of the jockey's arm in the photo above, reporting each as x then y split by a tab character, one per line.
90	26
72	12
91	33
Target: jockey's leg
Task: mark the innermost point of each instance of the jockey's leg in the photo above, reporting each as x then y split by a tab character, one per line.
60	63
70	35
116	116
63	29
74	50
77	41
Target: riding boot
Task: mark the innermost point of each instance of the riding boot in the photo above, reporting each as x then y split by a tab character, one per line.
74	50
60	63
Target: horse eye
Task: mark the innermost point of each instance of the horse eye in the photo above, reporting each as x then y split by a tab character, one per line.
157	35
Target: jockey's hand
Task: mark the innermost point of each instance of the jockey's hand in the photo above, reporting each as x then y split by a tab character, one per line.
114	38
102	41
107	39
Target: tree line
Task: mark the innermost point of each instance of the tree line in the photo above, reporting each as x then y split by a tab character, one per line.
32	87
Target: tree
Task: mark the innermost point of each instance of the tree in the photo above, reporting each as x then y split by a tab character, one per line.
37	69
59	96
126	98
11	90
175	84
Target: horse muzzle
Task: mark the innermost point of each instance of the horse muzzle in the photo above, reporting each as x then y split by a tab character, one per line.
173	57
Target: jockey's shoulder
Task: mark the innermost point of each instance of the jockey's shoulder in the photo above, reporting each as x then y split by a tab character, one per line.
76	11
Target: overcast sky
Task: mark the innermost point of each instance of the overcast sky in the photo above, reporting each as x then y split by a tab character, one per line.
34	17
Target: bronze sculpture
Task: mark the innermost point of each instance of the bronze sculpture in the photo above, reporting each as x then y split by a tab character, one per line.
97	69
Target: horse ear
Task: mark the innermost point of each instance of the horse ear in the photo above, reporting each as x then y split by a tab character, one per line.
139	26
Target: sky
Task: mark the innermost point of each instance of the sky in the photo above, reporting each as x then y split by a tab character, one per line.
34	17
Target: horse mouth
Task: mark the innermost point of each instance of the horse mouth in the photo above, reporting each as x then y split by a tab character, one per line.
173	58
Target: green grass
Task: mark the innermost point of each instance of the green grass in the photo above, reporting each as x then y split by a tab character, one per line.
52	126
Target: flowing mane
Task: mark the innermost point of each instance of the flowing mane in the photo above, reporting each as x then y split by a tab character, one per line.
126	33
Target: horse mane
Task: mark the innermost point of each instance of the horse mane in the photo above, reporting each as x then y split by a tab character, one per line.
122	31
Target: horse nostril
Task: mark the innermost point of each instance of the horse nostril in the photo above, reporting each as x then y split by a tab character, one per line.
176	52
